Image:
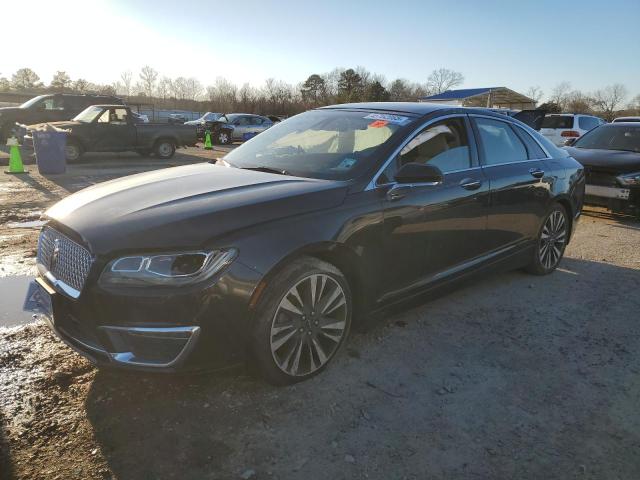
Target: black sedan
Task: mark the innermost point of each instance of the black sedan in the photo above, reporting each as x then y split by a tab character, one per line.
324	218
611	157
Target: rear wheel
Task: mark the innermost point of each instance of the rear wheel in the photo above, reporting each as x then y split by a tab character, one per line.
303	319
165	149
224	137
73	151
552	241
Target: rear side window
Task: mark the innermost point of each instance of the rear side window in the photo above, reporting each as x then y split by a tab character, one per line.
558	121
533	148
500	144
587	123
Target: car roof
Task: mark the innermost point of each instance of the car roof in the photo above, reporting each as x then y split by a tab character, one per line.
417	108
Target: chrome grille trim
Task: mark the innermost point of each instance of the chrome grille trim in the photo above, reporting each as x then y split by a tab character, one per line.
63	262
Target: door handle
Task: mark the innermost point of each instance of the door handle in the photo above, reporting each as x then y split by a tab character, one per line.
397	192
470	184
536	172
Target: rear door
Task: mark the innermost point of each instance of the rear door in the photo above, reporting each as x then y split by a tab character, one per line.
515	168
430	230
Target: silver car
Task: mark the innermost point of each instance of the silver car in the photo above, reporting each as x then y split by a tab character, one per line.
245	125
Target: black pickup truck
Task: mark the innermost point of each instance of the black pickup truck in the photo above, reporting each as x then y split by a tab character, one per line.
49	108
112	128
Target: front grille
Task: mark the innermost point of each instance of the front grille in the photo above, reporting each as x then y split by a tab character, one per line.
604	179
65	259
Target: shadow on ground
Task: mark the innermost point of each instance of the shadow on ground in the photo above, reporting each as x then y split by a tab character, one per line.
513	377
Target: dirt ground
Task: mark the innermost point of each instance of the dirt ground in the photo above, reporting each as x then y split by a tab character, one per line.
512	376
23	198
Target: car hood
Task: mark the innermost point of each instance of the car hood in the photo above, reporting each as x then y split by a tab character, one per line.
614	161
194	122
9	110
61	125
188	206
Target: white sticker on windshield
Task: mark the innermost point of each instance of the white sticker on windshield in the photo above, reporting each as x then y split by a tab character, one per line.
395	119
346	164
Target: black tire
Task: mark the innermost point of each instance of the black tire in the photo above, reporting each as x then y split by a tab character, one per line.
269	312
164	149
224	137
543	263
73	151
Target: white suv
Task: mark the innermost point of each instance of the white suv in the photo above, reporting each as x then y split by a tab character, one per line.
560	127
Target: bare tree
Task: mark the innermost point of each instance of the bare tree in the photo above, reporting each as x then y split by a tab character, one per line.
148	77
534	93
81	85
609	99
164	88
443	79
126	78
560	93
633	105
193	88
578	102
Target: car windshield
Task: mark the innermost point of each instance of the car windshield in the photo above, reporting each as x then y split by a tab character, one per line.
611	137
209	116
32	102
557	121
89	114
325	144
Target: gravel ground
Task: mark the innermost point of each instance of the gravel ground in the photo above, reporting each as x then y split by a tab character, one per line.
512	376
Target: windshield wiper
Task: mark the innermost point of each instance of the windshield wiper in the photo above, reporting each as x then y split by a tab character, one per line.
266	169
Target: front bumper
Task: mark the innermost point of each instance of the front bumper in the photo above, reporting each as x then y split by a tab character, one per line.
617	199
172	330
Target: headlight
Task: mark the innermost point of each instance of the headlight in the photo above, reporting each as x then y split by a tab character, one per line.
629	179
172	269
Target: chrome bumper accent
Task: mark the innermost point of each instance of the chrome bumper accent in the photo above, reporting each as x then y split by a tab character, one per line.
123	335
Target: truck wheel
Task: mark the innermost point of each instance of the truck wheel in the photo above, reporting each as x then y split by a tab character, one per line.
224	138
165	149
73	151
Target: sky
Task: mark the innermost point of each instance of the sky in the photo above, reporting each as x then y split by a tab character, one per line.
516	43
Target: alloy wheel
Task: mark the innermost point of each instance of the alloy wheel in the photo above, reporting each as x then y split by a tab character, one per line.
223	137
552	240
309	325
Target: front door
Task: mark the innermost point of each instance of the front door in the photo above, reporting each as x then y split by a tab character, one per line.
513	163
114	131
432	230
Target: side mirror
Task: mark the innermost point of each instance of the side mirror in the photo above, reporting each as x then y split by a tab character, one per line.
570	142
419	173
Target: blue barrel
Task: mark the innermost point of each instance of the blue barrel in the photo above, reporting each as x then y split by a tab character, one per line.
49	148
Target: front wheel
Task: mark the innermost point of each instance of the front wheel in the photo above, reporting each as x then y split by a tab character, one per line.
301	322
165	149
552	241
73	151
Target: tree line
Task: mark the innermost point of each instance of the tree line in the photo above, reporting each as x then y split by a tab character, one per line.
278	97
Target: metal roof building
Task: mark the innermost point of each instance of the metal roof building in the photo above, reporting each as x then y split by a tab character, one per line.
490	97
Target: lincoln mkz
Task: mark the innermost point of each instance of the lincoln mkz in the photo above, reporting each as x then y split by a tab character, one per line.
269	254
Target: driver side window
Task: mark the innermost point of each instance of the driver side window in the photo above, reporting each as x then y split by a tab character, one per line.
444	144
